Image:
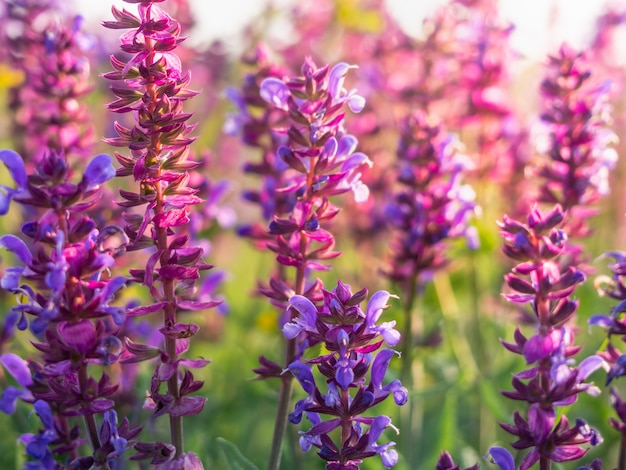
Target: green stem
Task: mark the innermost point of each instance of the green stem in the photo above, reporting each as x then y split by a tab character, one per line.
286	383
621	463
407	332
90	420
409	416
169	319
282	413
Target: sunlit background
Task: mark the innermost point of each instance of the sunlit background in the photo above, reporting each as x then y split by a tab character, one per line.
540	25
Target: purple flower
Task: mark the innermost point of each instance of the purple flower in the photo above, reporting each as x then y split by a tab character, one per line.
545	280
37	445
501	457
433	205
577	141
153	86
15	165
18	368
352	337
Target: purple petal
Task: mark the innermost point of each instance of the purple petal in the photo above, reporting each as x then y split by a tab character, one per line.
502	458
376	305
567	453
99	170
603	321
379	367
18	247
389	333
344	375
539	347
8	399
5	199
540	421
275	92
188	406
45	413
400	393
11	279
337	76
330	148
355	160
347	145
378	426
79	335
588	366
303	374
291	330
194	363
389	457
18	368
115	284
15	164
306	309
356	103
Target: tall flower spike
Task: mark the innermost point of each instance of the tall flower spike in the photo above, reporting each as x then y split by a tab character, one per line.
67	302
545	281
352	338
431	207
615	326
577	140
317	160
152	85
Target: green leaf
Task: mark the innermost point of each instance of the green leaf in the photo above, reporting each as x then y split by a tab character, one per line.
234	457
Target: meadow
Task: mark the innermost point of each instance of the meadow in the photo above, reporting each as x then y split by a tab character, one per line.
345	247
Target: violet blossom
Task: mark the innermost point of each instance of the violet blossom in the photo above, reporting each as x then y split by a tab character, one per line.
577	139
68	301
153	86
542	280
47	107
614	286
352	337
431	207
319	161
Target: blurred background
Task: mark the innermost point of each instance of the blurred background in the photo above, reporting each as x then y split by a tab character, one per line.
460	365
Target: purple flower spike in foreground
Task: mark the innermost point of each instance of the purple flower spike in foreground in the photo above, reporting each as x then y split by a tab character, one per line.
544	280
352	337
152	85
614	325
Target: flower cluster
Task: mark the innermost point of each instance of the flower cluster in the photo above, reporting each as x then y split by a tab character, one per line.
67	302
577	140
552	381
261	125
318	160
433	206
48	113
614	325
321	162
352	337
151	84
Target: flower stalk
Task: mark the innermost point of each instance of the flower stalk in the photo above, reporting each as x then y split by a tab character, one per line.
152	85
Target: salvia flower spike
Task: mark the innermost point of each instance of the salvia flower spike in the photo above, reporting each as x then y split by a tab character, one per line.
153	86
544	280
353	339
